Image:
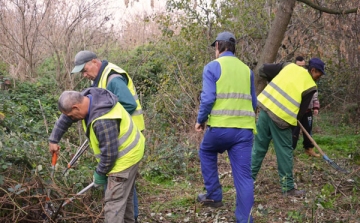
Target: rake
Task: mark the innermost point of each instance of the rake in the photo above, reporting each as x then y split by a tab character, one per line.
325	157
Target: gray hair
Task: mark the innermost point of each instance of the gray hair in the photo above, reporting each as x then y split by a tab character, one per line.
69	98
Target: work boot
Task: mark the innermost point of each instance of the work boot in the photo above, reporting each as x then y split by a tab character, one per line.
208	202
294	193
311	152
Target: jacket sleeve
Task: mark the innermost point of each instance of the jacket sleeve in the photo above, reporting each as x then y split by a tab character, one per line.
305	101
60	127
269	71
118	87
107	132
315	100
208	94
253	92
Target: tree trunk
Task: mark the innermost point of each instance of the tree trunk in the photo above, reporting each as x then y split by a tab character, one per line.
274	39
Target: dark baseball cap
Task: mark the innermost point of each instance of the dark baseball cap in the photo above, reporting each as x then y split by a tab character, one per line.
225	36
318	64
81	58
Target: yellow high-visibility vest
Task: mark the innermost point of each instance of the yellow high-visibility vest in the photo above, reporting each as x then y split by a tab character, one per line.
131	140
137	116
283	95
233	105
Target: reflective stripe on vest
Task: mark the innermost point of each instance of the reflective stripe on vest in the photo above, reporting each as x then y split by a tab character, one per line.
137	115
292	114
131	141
233	113
233	105
123	138
233	95
283	95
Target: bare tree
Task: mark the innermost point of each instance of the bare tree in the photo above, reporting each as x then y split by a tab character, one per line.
34	30
20	22
278	29
74	26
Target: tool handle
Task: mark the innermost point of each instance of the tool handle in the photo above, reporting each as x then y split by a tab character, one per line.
77	156
54	159
81	192
311	139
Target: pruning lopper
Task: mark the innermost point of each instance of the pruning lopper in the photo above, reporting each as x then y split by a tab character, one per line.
49	206
77	155
81	192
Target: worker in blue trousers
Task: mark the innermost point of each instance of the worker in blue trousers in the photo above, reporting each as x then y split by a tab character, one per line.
227	106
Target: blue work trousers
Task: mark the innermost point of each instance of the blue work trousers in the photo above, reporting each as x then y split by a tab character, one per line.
238	143
136	204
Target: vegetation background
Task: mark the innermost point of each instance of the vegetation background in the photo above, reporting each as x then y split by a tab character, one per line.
164	51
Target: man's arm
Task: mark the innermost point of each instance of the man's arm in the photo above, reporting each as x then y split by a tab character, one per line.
269	71
208	93
316	103
305	101
119	87
253	92
107	132
60	127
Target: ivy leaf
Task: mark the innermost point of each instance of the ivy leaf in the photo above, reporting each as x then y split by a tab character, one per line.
19	192
11	189
17	187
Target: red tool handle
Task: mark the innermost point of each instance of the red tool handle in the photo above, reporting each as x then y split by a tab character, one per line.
54	159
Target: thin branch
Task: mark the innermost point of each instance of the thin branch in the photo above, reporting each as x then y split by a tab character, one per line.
328	10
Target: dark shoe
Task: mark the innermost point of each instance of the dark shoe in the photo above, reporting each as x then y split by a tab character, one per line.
136	221
311	152
294	193
208	202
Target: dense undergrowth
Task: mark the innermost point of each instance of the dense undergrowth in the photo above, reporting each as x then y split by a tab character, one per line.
170	177
167	74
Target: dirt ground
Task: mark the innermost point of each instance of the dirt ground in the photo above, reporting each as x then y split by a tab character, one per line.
331	196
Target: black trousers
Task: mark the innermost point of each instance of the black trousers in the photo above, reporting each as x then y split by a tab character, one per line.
306	121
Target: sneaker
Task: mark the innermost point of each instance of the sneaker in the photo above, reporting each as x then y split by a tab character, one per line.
208	202
294	193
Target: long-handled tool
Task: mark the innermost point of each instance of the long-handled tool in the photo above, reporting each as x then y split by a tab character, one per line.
81	192
49	206
325	157
78	153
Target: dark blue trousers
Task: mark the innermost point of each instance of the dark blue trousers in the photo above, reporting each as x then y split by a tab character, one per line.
238	143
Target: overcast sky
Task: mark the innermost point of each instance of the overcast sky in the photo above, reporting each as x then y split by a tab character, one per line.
135	10
137	6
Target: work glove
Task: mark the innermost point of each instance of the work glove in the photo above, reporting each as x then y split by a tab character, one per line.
99	179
